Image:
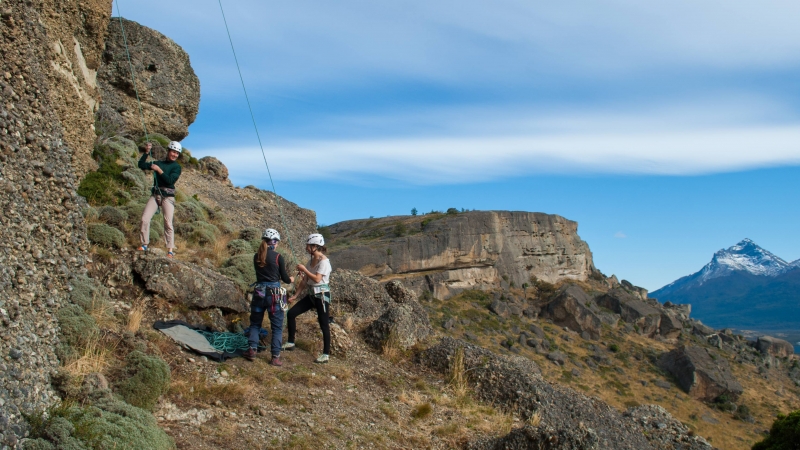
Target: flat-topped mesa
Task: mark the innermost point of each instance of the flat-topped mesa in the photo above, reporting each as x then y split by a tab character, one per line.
449	253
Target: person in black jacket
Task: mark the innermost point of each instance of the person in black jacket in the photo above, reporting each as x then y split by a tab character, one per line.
267	296
162	195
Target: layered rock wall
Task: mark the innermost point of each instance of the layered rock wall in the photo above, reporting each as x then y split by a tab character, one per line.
49	51
468	250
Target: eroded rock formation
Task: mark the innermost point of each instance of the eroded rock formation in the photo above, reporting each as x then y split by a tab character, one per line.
168	87
448	253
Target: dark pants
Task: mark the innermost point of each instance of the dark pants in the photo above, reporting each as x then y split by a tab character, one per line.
258	307
307	303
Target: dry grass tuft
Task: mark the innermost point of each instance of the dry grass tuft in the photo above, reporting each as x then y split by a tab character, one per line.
136	314
348	324
196	388
96	356
390	349
422	410
458	376
535	419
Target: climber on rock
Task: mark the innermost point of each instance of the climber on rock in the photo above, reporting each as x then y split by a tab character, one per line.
166	173
268	295
316	294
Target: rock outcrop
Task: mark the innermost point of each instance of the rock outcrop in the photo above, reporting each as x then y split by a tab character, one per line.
700	373
50	51
515	385
448	253
168	87
769	345
357	295
572	308
632	309
541	438
404	324
189	284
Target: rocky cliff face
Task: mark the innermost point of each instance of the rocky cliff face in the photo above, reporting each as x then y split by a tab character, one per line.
167	85
50	52
448	253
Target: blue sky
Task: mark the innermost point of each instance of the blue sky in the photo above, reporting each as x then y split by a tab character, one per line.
667	129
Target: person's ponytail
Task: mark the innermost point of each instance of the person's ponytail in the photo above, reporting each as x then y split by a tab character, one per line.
261	256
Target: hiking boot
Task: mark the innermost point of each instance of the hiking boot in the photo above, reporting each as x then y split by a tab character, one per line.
143	248
170	255
289	346
250	354
276	361
322	359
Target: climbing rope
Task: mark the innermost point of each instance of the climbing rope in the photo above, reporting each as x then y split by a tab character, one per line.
253	117
136	91
226	342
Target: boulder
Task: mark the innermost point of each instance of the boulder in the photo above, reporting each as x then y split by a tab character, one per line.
500	308
399	293
213	167
664	431
769	345
635	290
167	85
353	293
541	438
632	309
683	311
571	308
515	385
405	324
700	329
702	374
190	284
670	326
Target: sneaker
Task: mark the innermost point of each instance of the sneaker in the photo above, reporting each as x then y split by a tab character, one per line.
170	255
276	361
143	248
250	354
322	359
289	346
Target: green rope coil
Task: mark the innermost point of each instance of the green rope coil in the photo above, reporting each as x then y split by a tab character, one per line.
226	342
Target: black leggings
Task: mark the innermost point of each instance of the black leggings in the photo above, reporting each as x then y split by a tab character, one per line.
307	303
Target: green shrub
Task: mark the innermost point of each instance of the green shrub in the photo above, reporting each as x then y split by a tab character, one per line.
399	229
198	232
614	348
105	235
108	424
250	234
123	146
148	379
784	434
88	293
452	211
113	216
238	247
225	227
190	210
134	210
240	270
155	138
77	328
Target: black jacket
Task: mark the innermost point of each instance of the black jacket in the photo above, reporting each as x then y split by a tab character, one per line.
274	270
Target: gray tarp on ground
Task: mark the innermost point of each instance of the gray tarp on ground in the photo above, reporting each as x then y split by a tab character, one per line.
189	338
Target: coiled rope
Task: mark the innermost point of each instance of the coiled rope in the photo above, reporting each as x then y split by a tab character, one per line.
226	342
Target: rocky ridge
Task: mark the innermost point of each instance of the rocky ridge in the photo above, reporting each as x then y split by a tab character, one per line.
448	253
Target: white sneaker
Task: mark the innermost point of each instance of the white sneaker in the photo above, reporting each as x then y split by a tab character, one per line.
289	346
322	359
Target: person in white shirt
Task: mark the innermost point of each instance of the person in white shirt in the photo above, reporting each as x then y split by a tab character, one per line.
315	294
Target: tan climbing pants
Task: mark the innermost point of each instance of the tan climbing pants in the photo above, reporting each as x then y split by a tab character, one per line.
167	210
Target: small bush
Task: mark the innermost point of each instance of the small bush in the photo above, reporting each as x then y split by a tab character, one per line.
199	232
113	216
105	235
614	348
240	270
107	424
77	327
452	211
250	234
148	379
422	411
155	138
399	229
239	247
190	211
784	434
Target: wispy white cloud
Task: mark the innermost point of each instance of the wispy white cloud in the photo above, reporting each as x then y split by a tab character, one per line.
620	235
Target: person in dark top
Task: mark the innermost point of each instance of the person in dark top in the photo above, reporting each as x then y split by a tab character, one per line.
268	296
167	173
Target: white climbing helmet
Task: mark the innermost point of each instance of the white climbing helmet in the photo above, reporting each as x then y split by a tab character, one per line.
315	239
175	145
271	234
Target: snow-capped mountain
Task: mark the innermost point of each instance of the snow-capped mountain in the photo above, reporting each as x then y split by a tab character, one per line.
742	286
745	256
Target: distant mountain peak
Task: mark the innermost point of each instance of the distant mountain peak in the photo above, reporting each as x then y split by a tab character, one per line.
746	256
